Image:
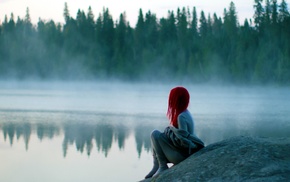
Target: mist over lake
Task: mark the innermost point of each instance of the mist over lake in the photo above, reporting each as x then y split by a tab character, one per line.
99	131
81	129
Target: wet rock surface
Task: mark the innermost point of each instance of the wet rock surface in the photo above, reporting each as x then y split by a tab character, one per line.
235	159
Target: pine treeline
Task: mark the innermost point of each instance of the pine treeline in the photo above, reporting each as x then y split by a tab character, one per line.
181	46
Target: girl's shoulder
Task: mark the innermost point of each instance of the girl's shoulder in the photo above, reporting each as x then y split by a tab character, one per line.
186	115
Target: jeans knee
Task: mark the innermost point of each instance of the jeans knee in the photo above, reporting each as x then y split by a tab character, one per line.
155	134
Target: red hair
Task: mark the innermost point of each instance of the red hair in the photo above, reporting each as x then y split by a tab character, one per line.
177	103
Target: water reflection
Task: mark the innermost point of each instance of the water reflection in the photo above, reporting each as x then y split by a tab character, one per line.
142	138
100	132
103	134
12	129
46	131
84	136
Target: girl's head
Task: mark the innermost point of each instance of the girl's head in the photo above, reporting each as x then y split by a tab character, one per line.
177	103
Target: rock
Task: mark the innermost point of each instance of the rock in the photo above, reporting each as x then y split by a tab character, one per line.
234	159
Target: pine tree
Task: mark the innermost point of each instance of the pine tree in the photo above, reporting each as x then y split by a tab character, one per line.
283	11
274	15
151	31
194	25
203	28
66	14
259	14
182	27
121	46
267	15
139	32
90	24
108	36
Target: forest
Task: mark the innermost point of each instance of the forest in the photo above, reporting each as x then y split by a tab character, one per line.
184	46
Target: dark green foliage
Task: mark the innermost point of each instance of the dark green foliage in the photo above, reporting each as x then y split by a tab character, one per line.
181	46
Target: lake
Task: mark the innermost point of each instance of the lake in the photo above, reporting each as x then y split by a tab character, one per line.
87	131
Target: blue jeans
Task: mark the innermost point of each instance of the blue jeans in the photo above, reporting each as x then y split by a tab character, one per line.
164	151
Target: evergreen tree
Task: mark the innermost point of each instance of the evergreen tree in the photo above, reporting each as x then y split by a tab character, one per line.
274	15
151	36
139	41
151	31
139	30
90	33
259	14
283	11
121	46
193	41
268	12
203	28
194	25
66	14
107	40
182	27
217	27
231	30
172	30
175	47
245	59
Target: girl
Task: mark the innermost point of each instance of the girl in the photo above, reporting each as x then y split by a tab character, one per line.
178	141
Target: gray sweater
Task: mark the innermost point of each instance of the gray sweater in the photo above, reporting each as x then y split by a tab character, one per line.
184	136
186	122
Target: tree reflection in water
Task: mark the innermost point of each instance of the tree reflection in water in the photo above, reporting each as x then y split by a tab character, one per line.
102	132
83	135
143	138
46	131
12	129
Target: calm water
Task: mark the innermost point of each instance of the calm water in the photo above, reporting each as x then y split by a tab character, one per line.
100	131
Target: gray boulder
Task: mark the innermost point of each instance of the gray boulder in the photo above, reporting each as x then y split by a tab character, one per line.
234	159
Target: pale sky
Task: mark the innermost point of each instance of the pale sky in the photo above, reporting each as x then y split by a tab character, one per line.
53	9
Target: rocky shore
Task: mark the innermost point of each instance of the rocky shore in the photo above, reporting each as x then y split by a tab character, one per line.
235	159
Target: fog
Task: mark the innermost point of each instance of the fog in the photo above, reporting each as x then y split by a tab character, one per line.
106	125
184	45
213	106
89	92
